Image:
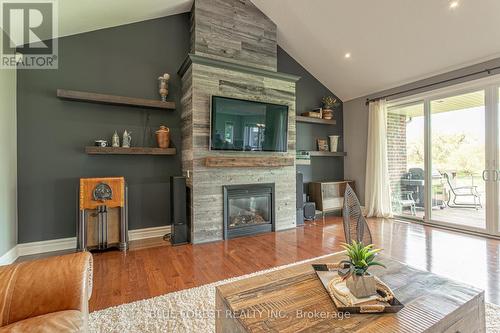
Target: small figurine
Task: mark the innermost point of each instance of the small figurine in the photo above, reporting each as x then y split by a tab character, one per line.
163	82
127	138
115	141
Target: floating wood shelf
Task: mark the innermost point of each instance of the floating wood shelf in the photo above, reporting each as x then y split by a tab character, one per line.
113	99
92	150
327	153
241	161
302	119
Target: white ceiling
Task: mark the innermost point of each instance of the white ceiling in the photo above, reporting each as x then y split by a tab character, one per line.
392	42
77	16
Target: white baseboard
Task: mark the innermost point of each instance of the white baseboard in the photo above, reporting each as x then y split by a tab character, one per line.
149	232
9	257
26	249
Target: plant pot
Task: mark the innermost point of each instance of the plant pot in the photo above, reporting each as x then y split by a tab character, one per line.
327	114
362	286
163	137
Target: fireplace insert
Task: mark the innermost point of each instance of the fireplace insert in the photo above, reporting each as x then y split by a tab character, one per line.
248	209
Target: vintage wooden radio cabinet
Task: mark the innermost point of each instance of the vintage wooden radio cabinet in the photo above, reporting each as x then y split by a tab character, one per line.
103	214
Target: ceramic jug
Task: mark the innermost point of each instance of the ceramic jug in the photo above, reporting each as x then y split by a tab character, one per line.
163	137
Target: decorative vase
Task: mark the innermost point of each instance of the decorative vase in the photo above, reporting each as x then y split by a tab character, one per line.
362	285
127	138
334	143
327	114
163	86
163	137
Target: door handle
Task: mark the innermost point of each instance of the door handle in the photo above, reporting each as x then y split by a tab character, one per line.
484	175
496	175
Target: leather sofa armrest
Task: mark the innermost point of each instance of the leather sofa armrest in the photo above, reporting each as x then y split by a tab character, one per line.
44	286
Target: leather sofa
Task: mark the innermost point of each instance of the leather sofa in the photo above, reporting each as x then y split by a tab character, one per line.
46	295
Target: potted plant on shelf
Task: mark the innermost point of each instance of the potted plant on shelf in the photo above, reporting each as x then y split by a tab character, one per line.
354	271
329	103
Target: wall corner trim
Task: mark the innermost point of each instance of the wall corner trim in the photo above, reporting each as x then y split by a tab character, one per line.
26	249
197	59
9	257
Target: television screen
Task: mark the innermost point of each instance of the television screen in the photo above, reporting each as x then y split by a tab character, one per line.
248	126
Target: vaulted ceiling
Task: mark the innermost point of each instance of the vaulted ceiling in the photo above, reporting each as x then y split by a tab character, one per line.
77	16
390	42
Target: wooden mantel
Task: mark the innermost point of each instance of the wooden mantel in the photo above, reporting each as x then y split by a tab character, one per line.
240	161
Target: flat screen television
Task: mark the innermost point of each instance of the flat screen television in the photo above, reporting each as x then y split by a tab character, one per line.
242	125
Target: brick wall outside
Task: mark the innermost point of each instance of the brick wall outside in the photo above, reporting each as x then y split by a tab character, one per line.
396	151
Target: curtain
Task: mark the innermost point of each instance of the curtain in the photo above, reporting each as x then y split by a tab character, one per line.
377	188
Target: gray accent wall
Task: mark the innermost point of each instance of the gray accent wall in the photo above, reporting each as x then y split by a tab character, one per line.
308	96
8	161
124	60
52	133
356	118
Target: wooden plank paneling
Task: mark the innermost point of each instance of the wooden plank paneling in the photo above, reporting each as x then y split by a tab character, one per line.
239	162
240	43
207	182
235	31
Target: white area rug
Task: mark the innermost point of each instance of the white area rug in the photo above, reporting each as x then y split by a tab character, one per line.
192	310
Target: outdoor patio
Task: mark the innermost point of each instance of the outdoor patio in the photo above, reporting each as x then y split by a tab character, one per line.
469	217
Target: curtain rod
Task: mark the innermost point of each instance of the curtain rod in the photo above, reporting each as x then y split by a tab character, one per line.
488	71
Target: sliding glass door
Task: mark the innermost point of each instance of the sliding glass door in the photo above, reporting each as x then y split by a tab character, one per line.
443	156
458	160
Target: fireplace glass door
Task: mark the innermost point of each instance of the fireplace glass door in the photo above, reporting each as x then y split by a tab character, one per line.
248	209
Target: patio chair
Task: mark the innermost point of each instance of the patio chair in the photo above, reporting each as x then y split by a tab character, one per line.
404	199
462	191
355	226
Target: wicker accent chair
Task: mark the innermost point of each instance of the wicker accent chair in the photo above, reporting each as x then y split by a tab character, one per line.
355	226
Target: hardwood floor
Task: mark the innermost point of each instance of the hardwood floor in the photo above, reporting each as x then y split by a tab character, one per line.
154	268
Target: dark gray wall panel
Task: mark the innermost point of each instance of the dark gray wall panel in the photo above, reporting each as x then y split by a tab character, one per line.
124	60
309	94
52	133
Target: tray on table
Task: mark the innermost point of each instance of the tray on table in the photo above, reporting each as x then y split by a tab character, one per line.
367	305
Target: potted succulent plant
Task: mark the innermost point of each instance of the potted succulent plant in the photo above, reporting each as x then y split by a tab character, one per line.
329	103
354	271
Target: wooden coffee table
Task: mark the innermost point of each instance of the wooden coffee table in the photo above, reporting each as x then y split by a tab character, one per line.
294	300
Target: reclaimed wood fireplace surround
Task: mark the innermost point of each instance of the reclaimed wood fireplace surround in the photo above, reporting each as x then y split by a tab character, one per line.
233	54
